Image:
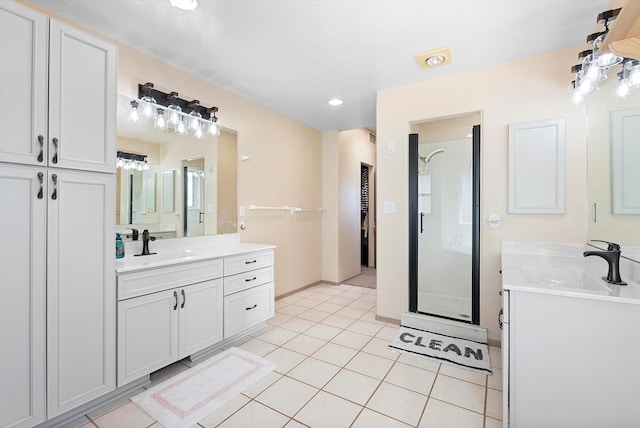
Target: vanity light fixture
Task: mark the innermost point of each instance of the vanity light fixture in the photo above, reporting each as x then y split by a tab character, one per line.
169	112
596	62
184	4
132	161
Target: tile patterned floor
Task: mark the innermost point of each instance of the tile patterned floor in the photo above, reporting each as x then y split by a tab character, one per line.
334	370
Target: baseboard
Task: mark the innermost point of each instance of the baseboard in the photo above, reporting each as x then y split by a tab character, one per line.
389	320
444	326
313	284
106	401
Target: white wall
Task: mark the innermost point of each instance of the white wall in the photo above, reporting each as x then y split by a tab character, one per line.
529	89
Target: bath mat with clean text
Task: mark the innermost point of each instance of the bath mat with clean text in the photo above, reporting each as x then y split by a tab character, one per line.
189	397
445	349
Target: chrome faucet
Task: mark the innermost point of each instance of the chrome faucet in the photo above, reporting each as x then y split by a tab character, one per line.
612	256
145	243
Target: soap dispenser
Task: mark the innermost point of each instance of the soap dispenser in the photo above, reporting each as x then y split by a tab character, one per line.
119	247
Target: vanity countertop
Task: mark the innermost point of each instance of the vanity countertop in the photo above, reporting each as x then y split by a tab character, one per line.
561	269
184	250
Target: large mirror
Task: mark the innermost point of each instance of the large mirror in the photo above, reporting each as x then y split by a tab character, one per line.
183	186
613	136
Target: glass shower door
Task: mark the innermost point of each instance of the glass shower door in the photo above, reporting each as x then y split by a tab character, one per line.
444	228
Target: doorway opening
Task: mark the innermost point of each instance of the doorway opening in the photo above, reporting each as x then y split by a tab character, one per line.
444	219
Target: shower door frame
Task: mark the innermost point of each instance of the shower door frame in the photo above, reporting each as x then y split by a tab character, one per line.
414	230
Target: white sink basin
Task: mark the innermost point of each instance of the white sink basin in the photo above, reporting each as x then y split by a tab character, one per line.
157	259
567	277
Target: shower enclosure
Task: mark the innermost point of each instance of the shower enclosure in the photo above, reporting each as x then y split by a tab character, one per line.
444	223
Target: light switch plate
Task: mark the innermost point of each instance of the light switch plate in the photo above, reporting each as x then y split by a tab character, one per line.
391	147
389	207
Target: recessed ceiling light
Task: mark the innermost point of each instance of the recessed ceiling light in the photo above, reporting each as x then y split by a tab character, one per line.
434	57
335	101
184	4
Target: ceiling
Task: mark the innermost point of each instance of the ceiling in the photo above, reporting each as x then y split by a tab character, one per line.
292	56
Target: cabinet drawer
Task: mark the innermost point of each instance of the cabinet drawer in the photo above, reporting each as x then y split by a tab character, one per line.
247	308
245	280
158	279
247	261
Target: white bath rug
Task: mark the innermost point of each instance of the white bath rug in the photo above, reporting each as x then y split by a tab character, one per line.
189	397
445	349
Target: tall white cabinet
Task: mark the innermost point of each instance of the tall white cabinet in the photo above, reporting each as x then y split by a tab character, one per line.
57	184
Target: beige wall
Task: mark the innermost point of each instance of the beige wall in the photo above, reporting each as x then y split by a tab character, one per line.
530	89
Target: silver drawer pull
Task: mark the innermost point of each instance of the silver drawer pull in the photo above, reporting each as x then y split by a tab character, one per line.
251	279
252	307
248	263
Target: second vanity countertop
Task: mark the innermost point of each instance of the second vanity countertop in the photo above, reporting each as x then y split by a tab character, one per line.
561	269
184	250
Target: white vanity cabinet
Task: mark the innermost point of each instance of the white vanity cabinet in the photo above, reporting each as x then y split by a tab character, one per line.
166	314
248	291
62	87
57	181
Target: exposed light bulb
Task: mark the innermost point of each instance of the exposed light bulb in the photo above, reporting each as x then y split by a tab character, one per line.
198	133
133	113
214	128
147	106
120	163
160	122
174	115
194	120
180	126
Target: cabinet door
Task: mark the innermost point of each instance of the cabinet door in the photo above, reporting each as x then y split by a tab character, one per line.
200	316
23	84
22	291
81	298
82	100
147	334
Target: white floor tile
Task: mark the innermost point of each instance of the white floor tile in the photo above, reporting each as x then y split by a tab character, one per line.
359	304
464	374
494	404
410	377
326	410
340	301
370	316
297	324
459	392
370	419
313	315
398	403
262	384
229	408
379	347
277	335
255	415
328	307
258	347
304	344
364	327
370	365
285	359
495	381
290	299
388	332
335	354
351	339
278	318
307	303
492	423
496	356
338	321
286	396
126	416
292	310
352	386
314	372
323	331
443	415
351	312
320	297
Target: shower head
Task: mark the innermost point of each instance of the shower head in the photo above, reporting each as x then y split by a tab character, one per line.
426	159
